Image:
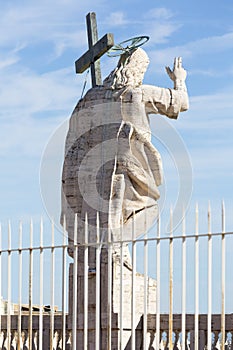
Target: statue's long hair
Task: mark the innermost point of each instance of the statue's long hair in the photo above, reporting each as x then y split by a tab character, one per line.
129	71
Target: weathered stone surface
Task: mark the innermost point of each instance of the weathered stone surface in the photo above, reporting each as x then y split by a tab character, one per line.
117	285
111	166
112	169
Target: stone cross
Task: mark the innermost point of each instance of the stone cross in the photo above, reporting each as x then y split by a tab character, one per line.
96	49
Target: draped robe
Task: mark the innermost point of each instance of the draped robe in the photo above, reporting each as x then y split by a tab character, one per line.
110	166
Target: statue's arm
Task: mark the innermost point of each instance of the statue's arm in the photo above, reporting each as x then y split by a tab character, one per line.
168	101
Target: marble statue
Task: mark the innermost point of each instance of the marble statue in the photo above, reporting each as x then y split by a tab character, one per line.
110	166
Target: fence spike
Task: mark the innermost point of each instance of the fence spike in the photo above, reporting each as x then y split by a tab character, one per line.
20	283
86	287
196	317
158	282
10	252
0	282
52	285
8	343
183	281
41	285
209	217
145	285
121	284
9	235
170	333
209	316
97	286
75	284
196	218
223	217
171	220
223	291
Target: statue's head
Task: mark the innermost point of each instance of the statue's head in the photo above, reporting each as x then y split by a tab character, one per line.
130	70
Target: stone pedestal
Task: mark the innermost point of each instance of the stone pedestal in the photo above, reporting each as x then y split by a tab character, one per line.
115	302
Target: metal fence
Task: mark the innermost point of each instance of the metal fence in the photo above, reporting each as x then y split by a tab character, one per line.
176	292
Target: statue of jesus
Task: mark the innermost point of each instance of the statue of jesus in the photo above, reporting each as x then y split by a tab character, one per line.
111	167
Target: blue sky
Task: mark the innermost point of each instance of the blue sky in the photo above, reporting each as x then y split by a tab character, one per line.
39	43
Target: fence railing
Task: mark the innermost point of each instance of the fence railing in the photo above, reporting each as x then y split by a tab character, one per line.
174	292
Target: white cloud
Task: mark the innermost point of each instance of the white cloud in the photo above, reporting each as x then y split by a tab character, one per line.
29	92
212	163
10	57
207	132
64	40
116	19
32	105
207	72
4	63
64	28
160	13
159	24
160	32
27	137
205	46
210	112
39	23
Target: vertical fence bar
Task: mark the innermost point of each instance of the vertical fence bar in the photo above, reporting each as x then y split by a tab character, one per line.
223	278
75	286
97	285
158	284
41	287
209	317
145	287
52	286
20	287
30	292
121	286
64	253
9	289
183	326
86	241
196	317
170	332
109	289
0	276
133	343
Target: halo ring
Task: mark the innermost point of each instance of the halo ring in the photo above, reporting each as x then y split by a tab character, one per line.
127	46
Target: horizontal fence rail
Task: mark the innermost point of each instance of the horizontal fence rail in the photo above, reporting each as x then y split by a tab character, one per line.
156	291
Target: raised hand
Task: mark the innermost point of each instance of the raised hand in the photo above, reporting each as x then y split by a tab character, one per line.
178	74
